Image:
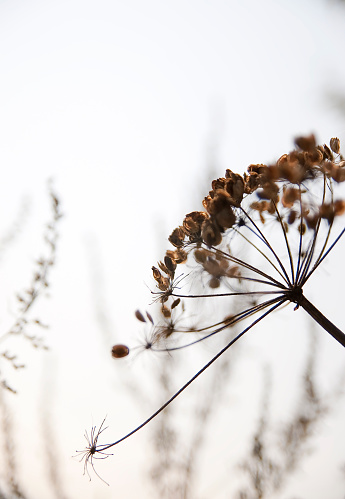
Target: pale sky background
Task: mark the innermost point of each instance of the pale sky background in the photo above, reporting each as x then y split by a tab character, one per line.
132	107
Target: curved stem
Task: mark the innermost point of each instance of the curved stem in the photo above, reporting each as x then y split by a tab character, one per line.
322	320
102	448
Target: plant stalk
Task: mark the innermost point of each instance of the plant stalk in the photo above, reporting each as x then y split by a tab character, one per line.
321	319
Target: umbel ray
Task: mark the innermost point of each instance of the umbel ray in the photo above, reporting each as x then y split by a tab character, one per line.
289	215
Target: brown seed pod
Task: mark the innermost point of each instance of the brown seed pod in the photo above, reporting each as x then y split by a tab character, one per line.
193	221
177	237
169	263
335	145
149	317
200	255
166	311
156	274
339	207
119	351
214	283
290	196
139	316
211	233
292	217
306	143
302	228
175	303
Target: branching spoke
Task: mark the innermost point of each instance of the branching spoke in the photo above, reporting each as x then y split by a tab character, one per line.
306	261
206	366
286	277
324	256
246	265
234	320
262	253
317	229
217	295
298	270
286	241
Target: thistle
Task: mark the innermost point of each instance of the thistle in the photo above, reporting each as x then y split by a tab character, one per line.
261	237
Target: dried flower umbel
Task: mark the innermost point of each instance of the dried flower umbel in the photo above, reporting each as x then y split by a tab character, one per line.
262	236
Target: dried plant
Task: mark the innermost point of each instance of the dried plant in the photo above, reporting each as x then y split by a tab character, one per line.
278	448
261	237
28	298
9	452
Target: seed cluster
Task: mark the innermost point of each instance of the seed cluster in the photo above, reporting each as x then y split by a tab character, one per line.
283	191
237	254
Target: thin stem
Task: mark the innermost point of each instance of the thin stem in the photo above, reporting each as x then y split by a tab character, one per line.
239	293
235	319
246	265
311	249
261	252
286	240
323	256
322	320
300	239
105	447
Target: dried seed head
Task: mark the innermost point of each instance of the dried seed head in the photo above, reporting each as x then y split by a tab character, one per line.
235	187
177	237
214	283
149	317
292	216
178	256
302	228
306	143
175	303
139	316
225	217
330	210
169	263
166	311
119	351
192	223
269	191
210	233
290	195
339	207
156	274
335	145
327	153
200	255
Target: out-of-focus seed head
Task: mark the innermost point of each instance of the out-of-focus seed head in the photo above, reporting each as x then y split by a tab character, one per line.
306	143
335	145
339	207
214	283
210	234
175	303
327	153
200	255
193	222
170	263
139	316
119	351
290	196
178	256
166	311
149	317
177	237
234	185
